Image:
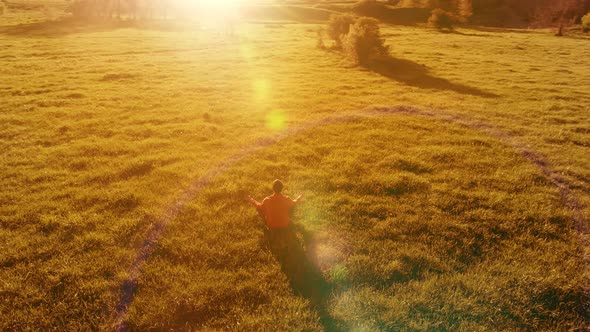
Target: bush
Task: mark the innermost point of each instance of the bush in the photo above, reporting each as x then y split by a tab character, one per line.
359	37
320	40
338	26
586	23
363	42
441	19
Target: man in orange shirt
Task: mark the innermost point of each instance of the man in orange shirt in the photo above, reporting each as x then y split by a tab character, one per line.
275	210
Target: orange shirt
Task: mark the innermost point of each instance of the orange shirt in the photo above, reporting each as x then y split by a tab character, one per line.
276	210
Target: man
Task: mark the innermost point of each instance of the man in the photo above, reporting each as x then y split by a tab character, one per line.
275	210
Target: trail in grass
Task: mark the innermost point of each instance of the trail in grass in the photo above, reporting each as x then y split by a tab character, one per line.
318	298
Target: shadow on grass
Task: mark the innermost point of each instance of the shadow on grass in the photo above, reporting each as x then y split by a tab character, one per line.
68	26
517	29
392	15
466	34
417	75
298	263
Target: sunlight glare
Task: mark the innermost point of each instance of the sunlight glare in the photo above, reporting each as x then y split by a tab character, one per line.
261	89
276	120
247	52
220	11
215	5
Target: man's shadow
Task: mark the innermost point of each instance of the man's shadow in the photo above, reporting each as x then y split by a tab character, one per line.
298	263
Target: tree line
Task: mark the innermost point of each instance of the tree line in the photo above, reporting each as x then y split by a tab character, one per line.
536	12
132	9
540	12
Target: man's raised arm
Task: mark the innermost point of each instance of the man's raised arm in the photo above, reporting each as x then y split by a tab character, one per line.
297	200
254	202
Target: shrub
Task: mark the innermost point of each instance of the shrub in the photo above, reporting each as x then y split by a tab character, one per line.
320	40
586	22
359	37
338	26
2	8
363	42
441	19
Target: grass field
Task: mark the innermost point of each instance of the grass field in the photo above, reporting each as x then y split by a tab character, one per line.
448	189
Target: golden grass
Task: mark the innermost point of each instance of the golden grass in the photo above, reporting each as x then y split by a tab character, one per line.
417	223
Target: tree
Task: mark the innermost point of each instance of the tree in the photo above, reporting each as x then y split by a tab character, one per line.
586	22
560	13
464	8
359	37
363	43
339	26
130	9
540	13
442	19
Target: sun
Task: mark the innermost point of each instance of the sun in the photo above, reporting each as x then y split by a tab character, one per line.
210	11
219	4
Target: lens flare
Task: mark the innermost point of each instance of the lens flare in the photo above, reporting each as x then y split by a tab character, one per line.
247	52
209	4
261	89
220	3
276	120
338	273
218	11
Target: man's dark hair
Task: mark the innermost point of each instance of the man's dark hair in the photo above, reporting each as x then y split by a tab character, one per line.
277	186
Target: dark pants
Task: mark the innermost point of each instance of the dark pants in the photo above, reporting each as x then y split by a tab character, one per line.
280	239
305	278
285	247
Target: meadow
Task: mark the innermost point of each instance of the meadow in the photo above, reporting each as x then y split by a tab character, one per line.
447	189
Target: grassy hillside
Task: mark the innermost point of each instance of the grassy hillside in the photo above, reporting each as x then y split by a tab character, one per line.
424	221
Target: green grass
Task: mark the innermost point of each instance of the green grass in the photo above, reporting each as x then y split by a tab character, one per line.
415	223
